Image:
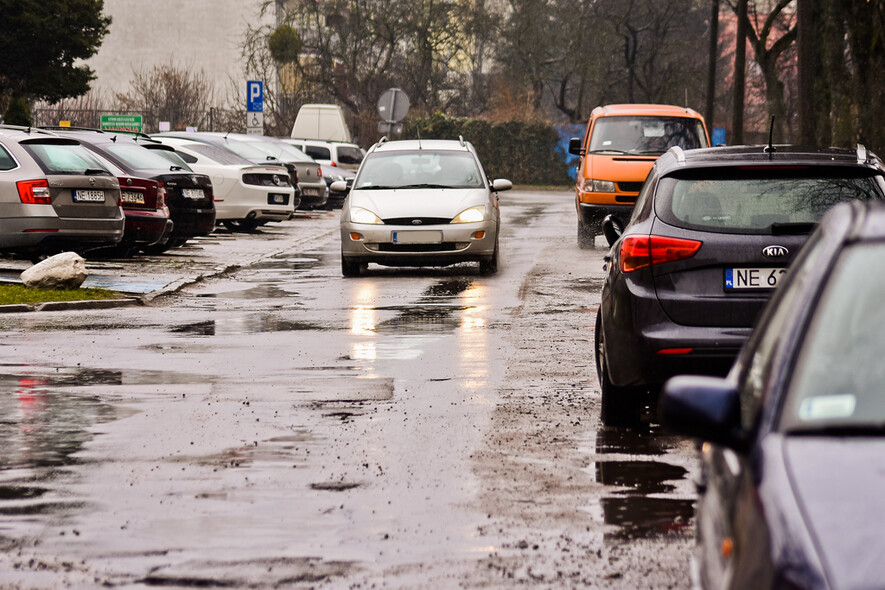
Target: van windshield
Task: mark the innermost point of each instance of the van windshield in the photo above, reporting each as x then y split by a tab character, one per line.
646	135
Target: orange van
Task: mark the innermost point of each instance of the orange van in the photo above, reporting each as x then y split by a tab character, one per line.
617	151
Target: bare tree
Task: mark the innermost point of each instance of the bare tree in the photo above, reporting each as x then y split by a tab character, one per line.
178	95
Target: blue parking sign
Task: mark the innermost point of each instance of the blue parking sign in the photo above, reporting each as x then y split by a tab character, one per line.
255	96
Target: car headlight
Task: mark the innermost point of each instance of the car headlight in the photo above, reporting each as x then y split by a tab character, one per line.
471	215
591	185
360	215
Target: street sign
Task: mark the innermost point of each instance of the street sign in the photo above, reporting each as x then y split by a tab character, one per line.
255	96
127	123
393	105
255	123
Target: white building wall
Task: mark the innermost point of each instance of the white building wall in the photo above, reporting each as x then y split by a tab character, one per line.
193	34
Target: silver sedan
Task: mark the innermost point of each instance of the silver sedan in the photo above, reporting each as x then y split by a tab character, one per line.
421	203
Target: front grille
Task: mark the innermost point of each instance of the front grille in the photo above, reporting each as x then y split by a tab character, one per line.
630	187
625	198
265	179
413	220
443	247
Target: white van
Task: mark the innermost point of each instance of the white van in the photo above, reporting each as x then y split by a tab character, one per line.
323	122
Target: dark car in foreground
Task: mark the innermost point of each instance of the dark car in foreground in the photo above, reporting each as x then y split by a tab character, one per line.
792	471
189	195
55	195
711	236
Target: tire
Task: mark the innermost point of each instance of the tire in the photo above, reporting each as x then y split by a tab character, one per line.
586	236
490	266
621	406
350	268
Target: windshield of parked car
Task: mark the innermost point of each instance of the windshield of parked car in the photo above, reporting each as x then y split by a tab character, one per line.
766	202
645	135
64	158
419	169
839	375
217	154
141	158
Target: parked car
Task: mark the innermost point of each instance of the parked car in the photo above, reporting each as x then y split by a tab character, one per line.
621	143
304	172
246	195
339	161
711	236
426	203
189	195
54	195
144	206
792	467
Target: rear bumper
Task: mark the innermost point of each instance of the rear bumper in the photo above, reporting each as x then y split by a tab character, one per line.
189	223
144	227
38	233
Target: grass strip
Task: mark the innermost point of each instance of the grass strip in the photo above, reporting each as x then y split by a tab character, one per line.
19	294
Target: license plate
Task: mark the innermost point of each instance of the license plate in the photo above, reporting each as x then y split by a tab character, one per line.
277	199
192	193
749	279
416	237
310	192
132	198
89	196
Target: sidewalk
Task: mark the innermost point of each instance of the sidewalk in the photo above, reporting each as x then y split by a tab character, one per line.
146	278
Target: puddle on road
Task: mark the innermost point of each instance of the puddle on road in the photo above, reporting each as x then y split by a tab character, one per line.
252	293
249	324
647	501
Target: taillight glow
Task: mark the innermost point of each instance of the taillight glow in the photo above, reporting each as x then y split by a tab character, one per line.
675	351
161	196
641	251
34	192
319	172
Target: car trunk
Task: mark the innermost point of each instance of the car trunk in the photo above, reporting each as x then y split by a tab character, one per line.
77	196
695	291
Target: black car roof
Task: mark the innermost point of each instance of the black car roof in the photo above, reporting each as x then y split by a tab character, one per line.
778	155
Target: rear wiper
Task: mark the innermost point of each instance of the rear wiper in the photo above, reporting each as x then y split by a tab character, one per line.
792	229
174	168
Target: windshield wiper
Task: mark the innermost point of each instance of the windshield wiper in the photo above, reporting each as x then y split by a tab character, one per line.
612	151
376	187
792	229
840	430
425	185
175	168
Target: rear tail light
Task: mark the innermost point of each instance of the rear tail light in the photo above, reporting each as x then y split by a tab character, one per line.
641	251
161	196
319	172
34	192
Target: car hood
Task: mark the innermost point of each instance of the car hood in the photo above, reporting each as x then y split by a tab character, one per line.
840	486
619	167
443	203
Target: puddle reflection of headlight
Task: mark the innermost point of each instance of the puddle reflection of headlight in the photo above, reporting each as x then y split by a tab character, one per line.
362	321
364	351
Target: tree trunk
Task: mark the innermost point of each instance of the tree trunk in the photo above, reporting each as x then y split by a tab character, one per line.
807	70
713	55
740	68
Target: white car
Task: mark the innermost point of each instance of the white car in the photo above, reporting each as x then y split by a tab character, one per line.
246	195
421	203
339	161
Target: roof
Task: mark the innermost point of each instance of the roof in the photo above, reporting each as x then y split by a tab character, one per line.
759	156
421	144
651	110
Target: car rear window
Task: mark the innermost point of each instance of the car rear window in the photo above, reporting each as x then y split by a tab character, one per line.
751	201
140	158
62	157
217	154
646	135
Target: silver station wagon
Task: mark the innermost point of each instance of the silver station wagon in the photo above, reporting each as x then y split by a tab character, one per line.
54	195
420	203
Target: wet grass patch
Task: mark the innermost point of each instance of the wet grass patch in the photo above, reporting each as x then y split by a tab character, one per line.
19	294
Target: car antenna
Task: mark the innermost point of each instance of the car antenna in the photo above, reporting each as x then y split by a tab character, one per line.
419	138
770	149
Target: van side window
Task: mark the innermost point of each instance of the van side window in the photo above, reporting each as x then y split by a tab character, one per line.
318	153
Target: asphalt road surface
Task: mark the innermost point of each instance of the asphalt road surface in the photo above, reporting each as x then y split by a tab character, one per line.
267	423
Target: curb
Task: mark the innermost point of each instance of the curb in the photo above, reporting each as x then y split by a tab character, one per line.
68	305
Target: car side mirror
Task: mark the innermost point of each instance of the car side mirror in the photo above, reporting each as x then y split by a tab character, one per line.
339	186
501	184
707	408
574	146
612	228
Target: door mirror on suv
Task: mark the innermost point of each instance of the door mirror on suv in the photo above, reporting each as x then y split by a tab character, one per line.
612	228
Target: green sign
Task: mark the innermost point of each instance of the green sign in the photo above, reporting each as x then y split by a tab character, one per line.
127	123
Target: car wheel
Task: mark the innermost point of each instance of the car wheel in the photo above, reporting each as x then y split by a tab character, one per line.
621	406
490	266
350	268
586	236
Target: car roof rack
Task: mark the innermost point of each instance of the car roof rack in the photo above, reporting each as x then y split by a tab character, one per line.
862	154
679	153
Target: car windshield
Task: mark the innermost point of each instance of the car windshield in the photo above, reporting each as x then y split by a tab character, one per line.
419	169
141	158
646	135
217	154
64	158
839	379
743	202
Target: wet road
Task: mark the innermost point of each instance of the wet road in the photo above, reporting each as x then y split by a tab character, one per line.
280	426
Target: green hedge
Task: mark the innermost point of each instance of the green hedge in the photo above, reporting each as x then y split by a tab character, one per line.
524	152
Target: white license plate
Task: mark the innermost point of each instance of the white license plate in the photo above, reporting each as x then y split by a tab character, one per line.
192	193
132	198
749	279
89	196
277	199
310	192
416	237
